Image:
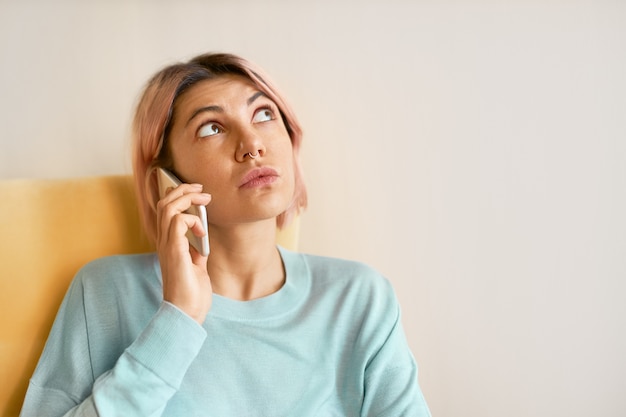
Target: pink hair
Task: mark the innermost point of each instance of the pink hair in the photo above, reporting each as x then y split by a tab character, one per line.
154	113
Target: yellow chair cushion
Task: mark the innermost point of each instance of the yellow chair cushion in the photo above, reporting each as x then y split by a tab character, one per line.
48	230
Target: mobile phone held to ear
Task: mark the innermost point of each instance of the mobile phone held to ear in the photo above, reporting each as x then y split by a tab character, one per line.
168	180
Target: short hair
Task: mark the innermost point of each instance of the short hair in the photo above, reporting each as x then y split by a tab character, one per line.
152	125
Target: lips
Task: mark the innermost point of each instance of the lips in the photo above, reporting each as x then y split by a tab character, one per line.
259	177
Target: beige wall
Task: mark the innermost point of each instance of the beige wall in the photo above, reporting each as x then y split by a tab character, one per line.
473	152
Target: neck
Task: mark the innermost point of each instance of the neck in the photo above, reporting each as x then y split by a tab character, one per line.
244	263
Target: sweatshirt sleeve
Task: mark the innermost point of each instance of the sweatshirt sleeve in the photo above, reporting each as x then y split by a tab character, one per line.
141	382
391	385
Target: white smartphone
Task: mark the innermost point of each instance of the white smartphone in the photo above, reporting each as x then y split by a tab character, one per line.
168	180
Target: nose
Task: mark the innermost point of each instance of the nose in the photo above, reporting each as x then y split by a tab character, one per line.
250	146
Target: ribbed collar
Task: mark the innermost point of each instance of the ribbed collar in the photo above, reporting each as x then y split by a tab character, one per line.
293	292
288	297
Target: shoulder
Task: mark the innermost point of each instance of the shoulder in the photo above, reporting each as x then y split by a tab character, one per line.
120	263
118	271
321	266
352	284
344	272
353	299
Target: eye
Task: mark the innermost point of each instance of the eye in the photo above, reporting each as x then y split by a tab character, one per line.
263	115
209	129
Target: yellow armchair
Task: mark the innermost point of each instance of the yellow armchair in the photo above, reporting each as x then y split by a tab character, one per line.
48	230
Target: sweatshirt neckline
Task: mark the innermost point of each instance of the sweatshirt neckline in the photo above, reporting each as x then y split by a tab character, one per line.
287	298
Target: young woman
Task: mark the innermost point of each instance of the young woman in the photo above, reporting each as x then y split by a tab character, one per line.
251	329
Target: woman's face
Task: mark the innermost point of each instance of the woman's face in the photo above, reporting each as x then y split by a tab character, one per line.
216	125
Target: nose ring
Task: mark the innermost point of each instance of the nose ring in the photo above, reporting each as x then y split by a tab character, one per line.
252	156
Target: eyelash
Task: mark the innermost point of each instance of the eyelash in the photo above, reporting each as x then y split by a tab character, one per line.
204	125
267	108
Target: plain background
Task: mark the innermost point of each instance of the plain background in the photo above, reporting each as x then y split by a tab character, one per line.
472	151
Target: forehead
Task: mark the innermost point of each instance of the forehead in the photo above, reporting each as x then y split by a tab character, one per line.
223	91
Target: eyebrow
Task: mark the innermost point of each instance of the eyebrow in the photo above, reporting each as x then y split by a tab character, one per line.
218	109
255	96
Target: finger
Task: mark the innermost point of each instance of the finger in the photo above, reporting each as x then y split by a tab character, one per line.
178	228
182	203
167	209
183	199
172	193
176	207
197	258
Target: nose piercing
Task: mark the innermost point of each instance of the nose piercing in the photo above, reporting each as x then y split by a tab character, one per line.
252	156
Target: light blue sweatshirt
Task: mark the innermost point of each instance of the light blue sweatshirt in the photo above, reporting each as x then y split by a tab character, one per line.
328	343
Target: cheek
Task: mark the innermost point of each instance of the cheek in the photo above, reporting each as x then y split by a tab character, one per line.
291	177
288	156
284	146
201	166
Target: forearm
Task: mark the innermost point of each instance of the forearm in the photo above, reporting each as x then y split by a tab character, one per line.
145	377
